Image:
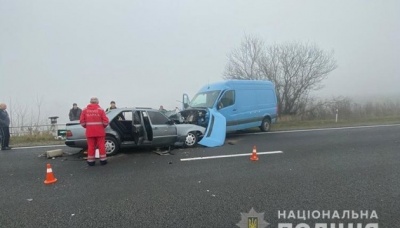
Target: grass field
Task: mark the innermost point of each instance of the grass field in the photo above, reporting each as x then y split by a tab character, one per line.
34	140
309	124
283	124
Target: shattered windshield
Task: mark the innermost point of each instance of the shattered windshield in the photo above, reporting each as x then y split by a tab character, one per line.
205	99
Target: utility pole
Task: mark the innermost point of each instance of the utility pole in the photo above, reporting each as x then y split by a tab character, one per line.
337	111
11	122
54	126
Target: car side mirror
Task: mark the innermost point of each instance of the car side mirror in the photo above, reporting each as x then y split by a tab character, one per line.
170	122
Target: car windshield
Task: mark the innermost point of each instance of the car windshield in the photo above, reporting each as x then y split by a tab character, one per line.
205	99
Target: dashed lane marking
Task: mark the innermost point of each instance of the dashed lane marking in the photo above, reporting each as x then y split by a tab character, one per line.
229	156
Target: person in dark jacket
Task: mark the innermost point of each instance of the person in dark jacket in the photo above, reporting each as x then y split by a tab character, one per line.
4	127
75	112
113	106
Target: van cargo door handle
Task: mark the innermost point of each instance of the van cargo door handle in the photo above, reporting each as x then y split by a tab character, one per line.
234	109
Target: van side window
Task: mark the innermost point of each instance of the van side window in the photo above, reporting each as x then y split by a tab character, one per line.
227	99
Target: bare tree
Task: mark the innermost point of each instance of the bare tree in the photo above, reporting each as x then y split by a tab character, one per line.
19	112
295	68
243	62
39	102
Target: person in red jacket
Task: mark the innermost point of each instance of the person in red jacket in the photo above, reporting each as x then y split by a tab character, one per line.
94	119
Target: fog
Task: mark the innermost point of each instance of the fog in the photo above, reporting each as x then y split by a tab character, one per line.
148	53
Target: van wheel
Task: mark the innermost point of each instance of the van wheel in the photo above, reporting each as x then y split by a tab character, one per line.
191	139
265	125
112	146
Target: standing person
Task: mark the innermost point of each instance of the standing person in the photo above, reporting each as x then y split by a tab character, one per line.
162	109
112	106
4	127
94	119
74	112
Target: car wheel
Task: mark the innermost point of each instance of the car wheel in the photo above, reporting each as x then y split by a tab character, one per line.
191	139
112	146
265	125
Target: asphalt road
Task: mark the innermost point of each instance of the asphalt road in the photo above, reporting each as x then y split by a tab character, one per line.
355	169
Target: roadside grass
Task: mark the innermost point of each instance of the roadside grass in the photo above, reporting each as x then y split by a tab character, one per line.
292	124
35	139
285	123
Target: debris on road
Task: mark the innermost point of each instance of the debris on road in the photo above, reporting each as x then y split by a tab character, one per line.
54	153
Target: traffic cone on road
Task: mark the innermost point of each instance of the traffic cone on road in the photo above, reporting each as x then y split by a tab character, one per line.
50	179
254	156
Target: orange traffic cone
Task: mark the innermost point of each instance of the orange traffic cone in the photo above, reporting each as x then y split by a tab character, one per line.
254	156
50	179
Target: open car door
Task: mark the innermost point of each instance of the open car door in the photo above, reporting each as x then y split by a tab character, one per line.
185	101
141	128
216	130
136	125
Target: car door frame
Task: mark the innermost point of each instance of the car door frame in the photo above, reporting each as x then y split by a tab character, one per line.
163	133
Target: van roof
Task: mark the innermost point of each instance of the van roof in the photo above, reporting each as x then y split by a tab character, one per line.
222	85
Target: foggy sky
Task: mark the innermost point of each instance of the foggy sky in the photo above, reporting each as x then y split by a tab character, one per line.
147	53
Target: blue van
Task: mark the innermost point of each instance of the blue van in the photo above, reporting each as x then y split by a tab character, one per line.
231	105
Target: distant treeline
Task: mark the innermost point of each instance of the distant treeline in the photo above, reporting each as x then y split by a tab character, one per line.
346	108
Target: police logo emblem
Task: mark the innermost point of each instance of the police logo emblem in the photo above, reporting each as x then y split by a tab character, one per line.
252	220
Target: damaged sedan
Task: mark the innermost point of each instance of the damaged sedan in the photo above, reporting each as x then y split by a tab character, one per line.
133	127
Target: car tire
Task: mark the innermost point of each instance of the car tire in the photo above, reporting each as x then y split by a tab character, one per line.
191	139
265	125
112	146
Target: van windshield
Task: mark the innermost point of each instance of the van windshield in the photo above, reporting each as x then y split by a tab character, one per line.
205	99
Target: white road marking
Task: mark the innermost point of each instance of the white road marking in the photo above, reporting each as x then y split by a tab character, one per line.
33	147
320	129
229	156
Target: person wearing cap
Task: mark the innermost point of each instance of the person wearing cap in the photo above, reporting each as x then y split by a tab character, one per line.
74	112
112	106
95	120
162	109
